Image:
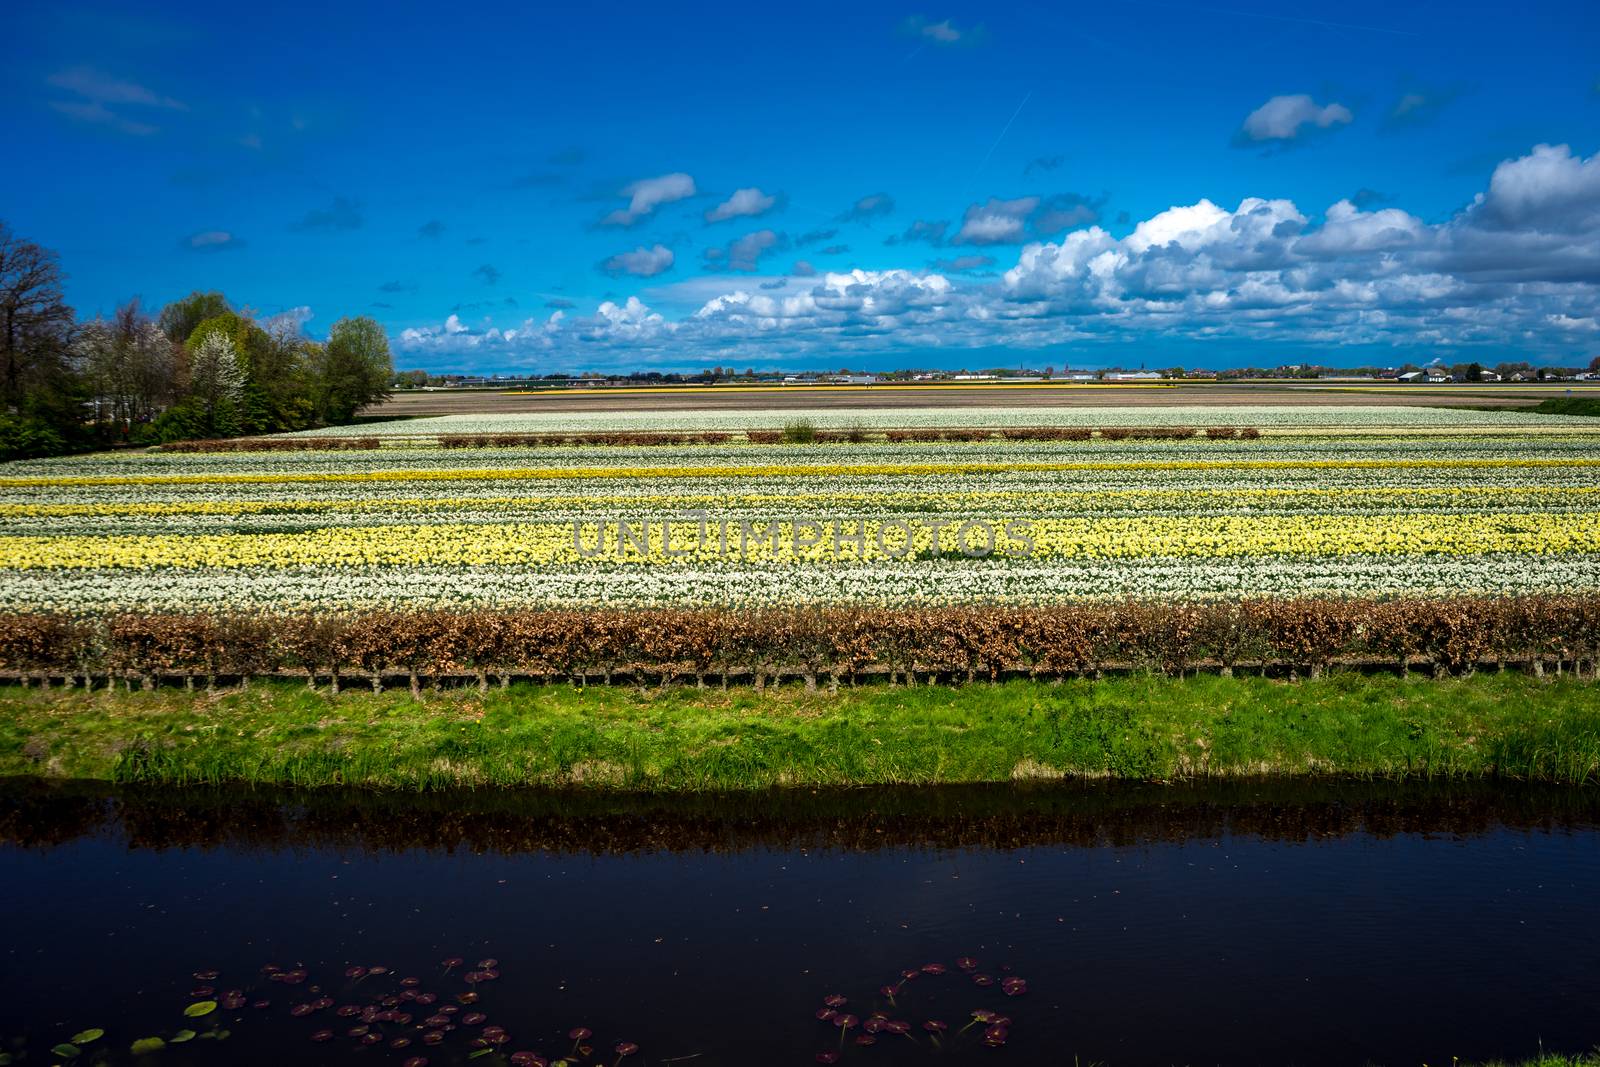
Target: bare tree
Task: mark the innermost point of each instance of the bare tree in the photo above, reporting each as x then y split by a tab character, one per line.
35	322
129	366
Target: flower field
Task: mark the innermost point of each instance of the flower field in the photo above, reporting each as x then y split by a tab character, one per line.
1342	418
1511	506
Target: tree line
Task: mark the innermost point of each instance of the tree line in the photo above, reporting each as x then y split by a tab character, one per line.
200	368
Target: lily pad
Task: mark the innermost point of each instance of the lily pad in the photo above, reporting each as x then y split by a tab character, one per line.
83	1037
181	1036
199	1008
147	1044
65	1051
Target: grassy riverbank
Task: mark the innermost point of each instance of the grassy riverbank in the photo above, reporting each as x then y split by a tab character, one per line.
1509	724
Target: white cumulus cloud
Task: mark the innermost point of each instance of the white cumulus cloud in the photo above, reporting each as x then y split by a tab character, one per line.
641	262
647	194
1282	117
1517	270
744	203
996	222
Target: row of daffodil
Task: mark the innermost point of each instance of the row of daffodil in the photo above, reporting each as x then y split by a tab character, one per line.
497	484
186	516
629	543
963	468
920	582
1333	416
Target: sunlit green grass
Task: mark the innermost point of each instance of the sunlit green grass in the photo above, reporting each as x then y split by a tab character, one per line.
1509	725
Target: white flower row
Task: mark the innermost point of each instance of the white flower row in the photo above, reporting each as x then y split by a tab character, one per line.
926	582
157	464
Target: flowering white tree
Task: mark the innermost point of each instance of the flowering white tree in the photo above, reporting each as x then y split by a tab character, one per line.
215	378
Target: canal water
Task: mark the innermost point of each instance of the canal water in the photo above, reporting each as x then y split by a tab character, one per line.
1243	923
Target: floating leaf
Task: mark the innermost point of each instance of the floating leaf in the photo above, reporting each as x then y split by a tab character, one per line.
147	1044
181	1036
199	1008
65	1051
83	1037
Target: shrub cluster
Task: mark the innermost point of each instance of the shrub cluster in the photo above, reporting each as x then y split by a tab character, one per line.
1147	433
1046	433
1305	635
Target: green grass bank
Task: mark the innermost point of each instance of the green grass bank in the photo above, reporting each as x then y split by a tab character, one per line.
1567	405
683	739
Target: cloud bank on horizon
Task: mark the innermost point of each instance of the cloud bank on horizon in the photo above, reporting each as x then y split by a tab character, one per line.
885	188
1521	261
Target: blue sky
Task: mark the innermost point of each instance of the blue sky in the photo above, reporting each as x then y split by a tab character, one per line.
573	187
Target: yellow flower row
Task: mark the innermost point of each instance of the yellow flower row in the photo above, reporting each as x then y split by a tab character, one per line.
548	543
1477	496
774	470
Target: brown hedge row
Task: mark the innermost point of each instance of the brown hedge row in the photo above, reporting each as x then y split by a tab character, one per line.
1076	433
1449	635
552	440
275	444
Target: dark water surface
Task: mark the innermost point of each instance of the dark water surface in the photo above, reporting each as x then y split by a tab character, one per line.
1241	923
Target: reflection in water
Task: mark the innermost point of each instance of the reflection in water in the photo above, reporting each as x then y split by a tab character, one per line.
34	813
1242	922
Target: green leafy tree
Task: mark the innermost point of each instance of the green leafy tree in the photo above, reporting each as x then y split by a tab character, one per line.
277	390
352	370
180	318
280	368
